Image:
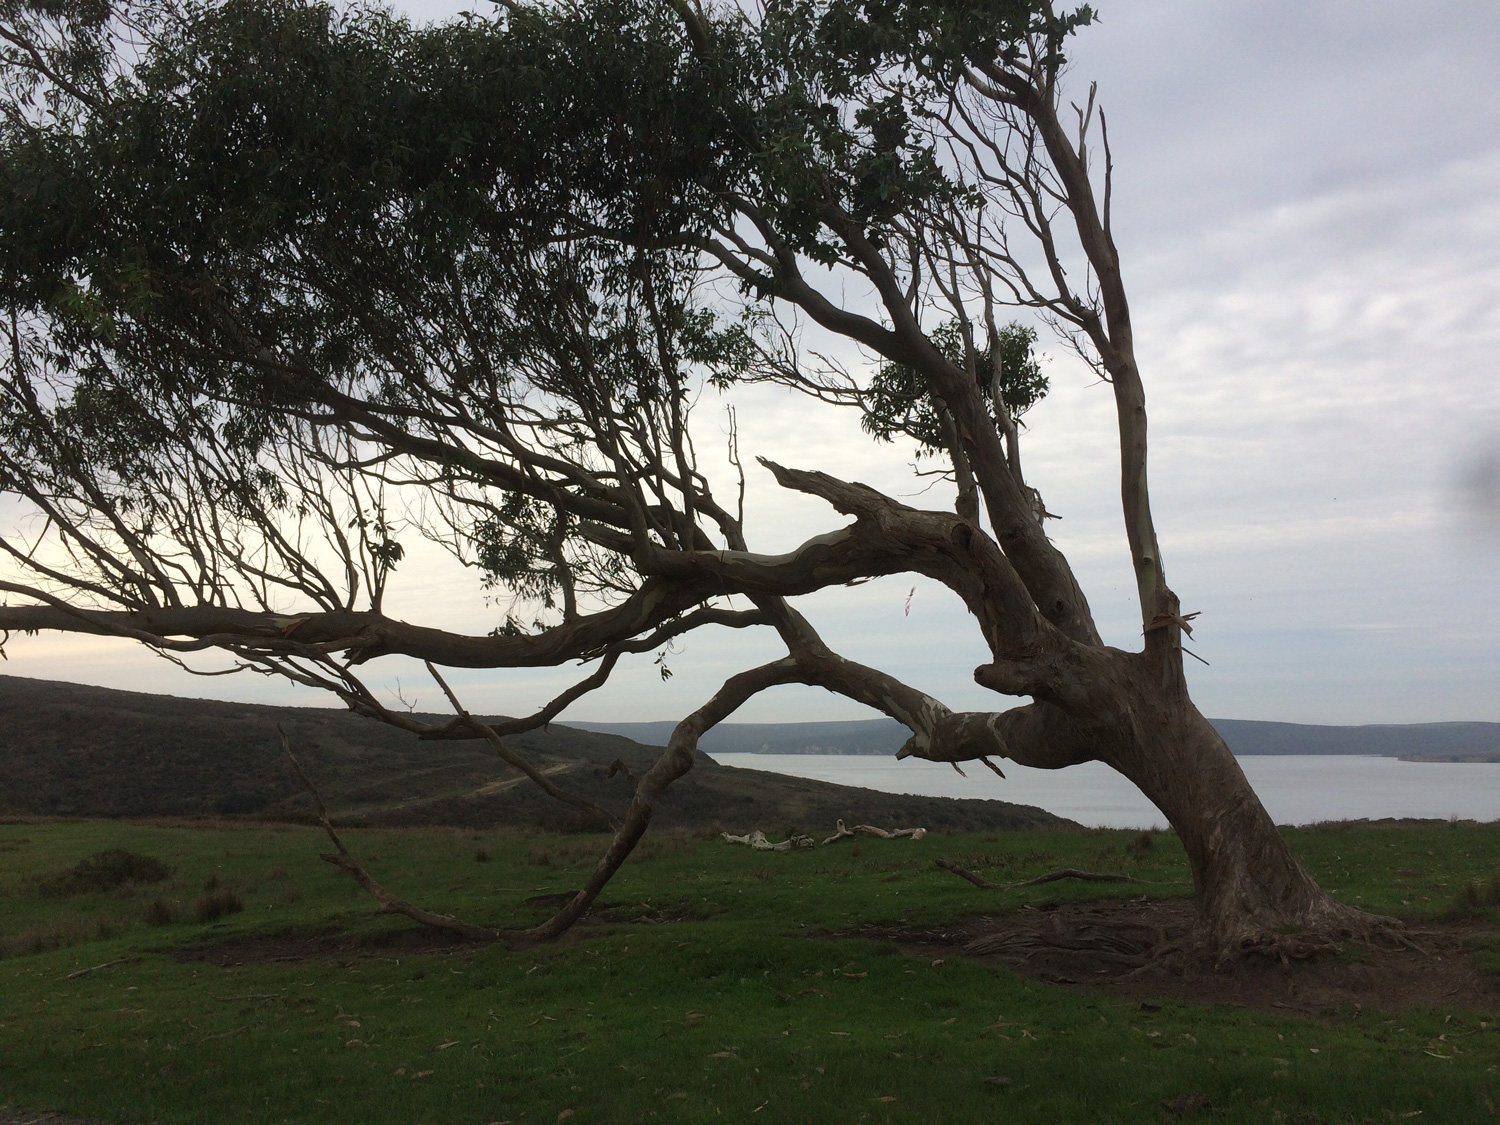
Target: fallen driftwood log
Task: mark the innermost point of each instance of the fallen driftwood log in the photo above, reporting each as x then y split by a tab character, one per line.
871	830
758	841
1050	877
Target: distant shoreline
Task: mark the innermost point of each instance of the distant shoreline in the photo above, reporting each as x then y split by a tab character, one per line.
1468	759
1458	741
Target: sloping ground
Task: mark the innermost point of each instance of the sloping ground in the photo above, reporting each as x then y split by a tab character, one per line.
70	750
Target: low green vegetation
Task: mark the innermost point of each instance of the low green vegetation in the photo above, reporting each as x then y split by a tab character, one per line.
714	983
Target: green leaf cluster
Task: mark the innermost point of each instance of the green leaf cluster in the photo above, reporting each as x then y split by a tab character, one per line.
899	402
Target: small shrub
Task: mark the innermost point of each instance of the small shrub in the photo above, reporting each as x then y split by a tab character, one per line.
44	939
1485	950
481	855
105	871
216	903
1476	900
212	882
160	912
1142	846
539	856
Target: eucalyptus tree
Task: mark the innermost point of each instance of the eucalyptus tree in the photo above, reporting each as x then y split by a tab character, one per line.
271	270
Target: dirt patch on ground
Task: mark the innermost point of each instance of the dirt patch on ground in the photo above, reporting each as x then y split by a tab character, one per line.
336	944
321	945
1113	945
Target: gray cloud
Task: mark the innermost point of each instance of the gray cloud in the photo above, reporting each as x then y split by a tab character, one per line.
1308	206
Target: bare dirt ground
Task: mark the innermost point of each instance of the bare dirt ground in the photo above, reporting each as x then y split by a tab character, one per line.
317	945
1112	946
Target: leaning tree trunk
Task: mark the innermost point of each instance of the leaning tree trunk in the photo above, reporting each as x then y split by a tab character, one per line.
1253	893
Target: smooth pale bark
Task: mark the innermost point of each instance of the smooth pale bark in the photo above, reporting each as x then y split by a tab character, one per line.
1117	707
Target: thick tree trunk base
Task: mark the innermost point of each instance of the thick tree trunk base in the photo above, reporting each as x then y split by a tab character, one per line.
1132	712
1322	928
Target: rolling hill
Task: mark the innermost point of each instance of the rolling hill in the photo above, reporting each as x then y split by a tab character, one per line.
75	751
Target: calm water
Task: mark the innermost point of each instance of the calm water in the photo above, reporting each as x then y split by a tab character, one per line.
1296	789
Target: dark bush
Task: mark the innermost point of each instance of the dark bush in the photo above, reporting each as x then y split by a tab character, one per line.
481	856
1476	900
237	802
217	903
160	912
104	871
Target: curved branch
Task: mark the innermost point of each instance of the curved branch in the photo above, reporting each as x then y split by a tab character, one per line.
675	761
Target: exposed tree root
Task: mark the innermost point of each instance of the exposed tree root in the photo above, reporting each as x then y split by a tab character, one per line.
1322	930
1150	945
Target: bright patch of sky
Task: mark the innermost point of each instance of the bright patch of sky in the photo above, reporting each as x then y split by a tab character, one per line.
1308	209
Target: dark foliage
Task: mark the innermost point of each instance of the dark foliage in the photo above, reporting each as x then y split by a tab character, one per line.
1478	899
215	904
104	871
160	912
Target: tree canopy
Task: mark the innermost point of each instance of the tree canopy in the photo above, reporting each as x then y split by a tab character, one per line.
272	268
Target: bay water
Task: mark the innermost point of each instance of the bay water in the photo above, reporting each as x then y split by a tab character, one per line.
1296	789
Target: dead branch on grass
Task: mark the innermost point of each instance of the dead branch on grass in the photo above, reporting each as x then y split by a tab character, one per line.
76	973
1050	877
842	831
389	903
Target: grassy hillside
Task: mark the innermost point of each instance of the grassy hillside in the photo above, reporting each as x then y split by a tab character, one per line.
70	750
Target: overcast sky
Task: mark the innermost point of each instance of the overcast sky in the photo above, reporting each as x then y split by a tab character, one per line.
1308	211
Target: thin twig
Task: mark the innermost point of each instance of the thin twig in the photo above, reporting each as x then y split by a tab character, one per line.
512	758
95	968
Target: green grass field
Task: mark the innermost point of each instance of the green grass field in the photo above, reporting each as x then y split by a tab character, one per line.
707	989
